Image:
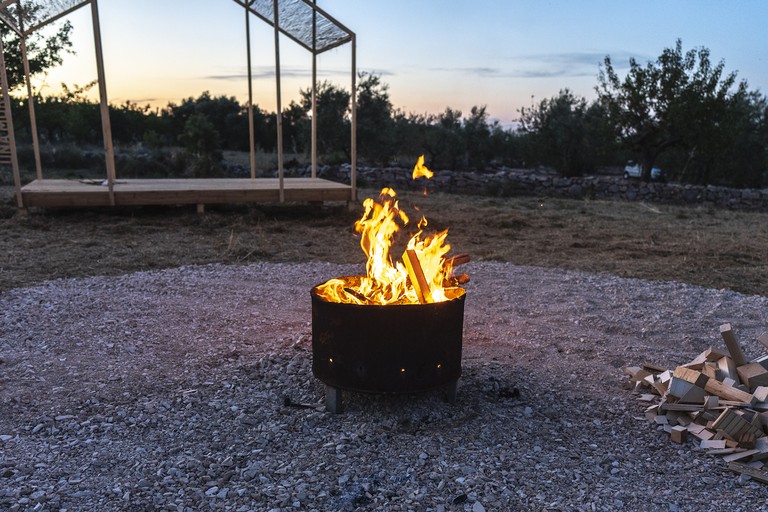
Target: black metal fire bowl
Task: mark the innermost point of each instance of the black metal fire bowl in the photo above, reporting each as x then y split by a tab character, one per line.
400	348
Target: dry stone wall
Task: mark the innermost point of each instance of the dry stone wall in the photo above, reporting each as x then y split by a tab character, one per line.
507	182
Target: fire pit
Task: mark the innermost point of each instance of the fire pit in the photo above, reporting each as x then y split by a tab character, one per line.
398	329
386	349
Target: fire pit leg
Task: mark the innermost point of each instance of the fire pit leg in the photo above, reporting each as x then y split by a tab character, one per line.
333	401
450	392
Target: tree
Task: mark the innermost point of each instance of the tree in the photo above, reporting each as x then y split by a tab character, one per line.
200	136
477	137
445	142
665	104
226	115
332	109
296	128
730	149
42	53
566	133
375	126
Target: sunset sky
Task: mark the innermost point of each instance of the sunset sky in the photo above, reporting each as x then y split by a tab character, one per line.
433	54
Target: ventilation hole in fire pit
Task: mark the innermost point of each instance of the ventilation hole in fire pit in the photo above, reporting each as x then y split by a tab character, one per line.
361	371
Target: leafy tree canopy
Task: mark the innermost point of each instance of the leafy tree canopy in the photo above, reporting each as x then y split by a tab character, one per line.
42	53
666	103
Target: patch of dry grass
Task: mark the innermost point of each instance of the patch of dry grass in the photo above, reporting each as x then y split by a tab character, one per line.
703	246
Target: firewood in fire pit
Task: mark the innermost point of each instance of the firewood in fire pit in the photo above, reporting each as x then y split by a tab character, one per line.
459	259
456	280
356	294
416	273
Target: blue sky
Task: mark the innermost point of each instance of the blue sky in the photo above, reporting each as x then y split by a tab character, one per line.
433	54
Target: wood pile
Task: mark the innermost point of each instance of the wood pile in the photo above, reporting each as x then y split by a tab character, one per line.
718	400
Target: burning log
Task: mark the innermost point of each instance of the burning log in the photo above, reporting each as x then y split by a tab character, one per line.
416	273
456	280
459	259
356	294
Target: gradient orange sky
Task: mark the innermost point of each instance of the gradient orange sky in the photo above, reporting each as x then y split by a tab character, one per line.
433	54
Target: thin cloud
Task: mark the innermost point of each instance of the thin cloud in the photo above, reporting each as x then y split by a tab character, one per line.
548	65
473	71
267	72
577	64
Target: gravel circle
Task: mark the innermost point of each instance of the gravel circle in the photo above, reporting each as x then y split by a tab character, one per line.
177	390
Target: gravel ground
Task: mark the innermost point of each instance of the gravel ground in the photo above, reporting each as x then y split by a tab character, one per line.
166	390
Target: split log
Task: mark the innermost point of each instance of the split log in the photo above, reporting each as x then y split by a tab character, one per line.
727	369
416	273
760	475
456	280
733	346
459	259
733	425
753	375
356	294
763	338
679	434
708	355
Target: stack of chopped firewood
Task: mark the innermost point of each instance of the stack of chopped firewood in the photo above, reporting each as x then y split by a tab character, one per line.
719	398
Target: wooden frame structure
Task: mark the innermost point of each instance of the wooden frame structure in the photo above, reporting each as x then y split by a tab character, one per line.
302	21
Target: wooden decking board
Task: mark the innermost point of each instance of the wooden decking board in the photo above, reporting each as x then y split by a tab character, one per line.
56	193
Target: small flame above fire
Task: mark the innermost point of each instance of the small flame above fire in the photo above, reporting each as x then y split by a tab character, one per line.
420	169
419	277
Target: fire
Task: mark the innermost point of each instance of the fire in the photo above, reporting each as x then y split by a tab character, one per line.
419	277
420	169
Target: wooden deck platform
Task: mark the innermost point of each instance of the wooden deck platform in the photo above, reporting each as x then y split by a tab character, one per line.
57	193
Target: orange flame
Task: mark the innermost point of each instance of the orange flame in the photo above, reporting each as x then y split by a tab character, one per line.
419	279
420	169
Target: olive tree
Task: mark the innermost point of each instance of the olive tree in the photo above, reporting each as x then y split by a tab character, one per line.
667	103
43	52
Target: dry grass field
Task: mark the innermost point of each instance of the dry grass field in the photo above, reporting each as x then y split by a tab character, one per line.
703	246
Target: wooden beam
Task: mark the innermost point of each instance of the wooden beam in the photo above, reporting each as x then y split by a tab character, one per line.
313	127
279	101
353	149
30	98
11	133
106	126
251	130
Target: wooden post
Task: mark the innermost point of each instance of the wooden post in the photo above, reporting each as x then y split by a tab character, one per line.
251	134
30	97
353	149
11	135
314	89
279	103
106	127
